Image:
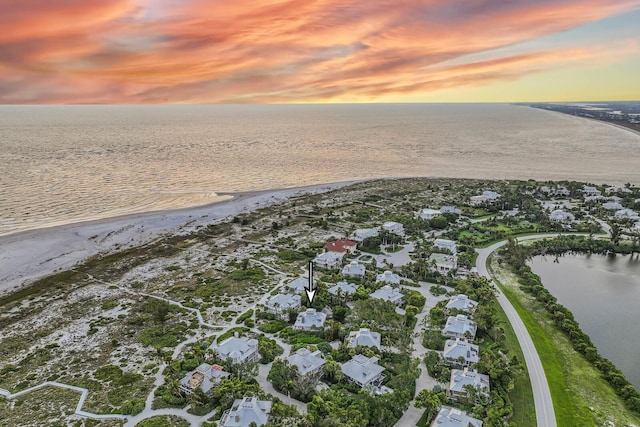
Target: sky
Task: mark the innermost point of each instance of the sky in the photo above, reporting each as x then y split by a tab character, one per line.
317	51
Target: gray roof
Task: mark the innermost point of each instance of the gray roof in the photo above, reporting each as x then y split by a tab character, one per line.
453	349
387	293
284	301
388	277
354	269
236	348
450	209
364	337
362	233
310	318
344	288
245	411
461	302
445	244
204	376
612	206
453	417
463	377
458	325
306	361
362	369
298	284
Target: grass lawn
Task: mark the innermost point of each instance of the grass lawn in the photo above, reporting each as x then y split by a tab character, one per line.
581	397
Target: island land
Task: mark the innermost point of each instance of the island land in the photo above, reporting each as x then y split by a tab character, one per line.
201	316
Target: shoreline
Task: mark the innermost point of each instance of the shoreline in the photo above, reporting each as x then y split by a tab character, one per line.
28	255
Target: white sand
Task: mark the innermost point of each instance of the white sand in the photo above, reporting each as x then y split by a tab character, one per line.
29	255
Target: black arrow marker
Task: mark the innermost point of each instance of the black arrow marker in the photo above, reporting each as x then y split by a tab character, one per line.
311	289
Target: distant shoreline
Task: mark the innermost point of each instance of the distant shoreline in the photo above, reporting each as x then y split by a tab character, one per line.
28	255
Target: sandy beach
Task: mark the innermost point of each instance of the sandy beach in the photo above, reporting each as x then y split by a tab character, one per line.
29	255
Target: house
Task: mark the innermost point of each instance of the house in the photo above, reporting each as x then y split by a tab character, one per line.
445	244
429	214
460	353
612	206
280	304
246	411
556	191
393	227
464	377
238	349
204	377
387	293
561	216
343	289
341	246
486	196
364	337
363	371
297	285
310	319
616	189
329	260
459	327
627	214
589	191
364	233
309	364
453	417
353	269
388	277
450	209
444	263
461	302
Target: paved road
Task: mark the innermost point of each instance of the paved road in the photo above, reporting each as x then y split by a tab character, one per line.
545	414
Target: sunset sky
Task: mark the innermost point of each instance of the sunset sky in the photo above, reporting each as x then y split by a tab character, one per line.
285	51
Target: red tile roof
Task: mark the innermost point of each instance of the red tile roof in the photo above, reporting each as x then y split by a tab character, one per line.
340	245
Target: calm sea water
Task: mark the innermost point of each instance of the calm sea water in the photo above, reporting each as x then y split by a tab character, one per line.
603	294
67	163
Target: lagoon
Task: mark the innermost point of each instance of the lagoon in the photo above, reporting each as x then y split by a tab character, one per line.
603	292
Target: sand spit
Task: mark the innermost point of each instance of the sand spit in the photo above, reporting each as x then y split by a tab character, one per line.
29	255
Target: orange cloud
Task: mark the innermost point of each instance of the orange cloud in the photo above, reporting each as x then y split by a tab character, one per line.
144	51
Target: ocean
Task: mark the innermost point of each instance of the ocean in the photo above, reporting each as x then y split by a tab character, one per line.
62	164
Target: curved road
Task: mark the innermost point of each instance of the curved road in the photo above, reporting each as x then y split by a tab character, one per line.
545	414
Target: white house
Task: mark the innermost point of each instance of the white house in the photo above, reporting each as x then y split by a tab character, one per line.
461	302
364	337
559	215
297	285
444	263
486	196
330	260
453	417
387	293
589	191
343	289
353	269
280	304
446	244
616	189
238	349
459	327
393	227
310	319
245	411
612	206
308	363
363	233
429	214
450	209
460	353
388	277
363	371
204	377
627	214
464	377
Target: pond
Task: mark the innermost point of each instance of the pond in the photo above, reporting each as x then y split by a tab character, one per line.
603	292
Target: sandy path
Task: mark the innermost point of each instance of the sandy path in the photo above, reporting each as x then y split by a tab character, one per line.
29	255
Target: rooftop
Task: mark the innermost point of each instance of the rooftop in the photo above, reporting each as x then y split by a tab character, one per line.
364	337
306	361
362	369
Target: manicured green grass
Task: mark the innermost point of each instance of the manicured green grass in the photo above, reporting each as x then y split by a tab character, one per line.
524	412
